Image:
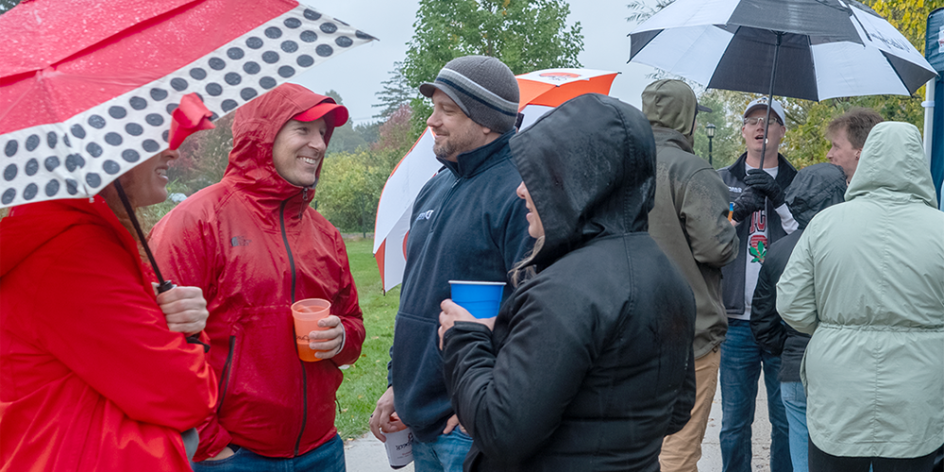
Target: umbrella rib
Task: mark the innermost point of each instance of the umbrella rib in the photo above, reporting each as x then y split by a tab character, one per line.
897	74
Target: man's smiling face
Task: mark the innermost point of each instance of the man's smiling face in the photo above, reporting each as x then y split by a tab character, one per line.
298	150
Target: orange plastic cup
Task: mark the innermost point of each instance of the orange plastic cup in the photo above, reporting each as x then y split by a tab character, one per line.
306	314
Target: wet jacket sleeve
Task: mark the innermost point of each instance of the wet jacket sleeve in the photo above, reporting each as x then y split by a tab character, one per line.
184	247
768	330
348	309
682	409
796	293
703	207
486	390
113	335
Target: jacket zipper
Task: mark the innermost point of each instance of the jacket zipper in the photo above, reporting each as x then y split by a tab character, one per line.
224	378
291	262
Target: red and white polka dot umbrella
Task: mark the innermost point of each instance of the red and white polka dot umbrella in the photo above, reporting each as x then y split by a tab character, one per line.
88	88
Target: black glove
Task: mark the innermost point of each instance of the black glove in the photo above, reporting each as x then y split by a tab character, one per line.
765	185
747	203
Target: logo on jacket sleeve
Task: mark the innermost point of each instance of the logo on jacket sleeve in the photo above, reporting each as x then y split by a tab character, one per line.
239	241
428	214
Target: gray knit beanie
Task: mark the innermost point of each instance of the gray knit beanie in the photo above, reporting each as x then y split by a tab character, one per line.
483	87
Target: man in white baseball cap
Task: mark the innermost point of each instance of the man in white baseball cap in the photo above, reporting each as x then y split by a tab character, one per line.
762	218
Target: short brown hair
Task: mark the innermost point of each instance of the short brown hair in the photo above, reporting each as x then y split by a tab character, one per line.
857	122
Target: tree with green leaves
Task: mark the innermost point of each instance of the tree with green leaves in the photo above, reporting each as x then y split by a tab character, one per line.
350	186
526	35
396	92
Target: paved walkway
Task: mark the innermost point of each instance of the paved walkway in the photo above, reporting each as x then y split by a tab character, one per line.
367	453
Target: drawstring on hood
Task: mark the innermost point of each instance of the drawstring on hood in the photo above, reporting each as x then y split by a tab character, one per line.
589	166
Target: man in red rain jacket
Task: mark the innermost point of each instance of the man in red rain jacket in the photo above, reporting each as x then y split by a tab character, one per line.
255	246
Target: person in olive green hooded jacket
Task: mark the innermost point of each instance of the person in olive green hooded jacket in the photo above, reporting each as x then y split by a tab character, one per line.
866	280
689	222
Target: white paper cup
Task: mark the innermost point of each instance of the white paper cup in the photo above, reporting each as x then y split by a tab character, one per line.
399	447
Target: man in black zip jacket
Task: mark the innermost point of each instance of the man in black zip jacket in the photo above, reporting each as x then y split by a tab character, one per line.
467	224
762	218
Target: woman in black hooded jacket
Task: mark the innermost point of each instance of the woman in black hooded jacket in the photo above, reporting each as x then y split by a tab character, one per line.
590	362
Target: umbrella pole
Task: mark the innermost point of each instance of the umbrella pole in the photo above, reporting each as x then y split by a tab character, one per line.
165	285
770	99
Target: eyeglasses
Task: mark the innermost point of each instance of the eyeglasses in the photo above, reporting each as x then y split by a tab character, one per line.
754	120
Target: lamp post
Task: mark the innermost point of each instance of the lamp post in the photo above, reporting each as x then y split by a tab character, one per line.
710	132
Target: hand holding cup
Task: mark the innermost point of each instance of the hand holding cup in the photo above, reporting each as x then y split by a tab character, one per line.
319	335
327	342
452	312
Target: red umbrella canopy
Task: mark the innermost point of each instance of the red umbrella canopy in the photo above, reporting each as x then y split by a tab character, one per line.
88	87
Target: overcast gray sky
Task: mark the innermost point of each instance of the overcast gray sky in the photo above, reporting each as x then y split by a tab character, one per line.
358	73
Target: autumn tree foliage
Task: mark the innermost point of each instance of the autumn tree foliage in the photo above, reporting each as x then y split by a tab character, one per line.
395	132
351	182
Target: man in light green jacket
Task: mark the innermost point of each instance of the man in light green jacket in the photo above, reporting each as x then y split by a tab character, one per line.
867	281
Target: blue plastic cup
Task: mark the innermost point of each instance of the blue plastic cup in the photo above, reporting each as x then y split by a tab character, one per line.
481	299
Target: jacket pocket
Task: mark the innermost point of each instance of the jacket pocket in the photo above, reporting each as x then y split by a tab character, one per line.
263	370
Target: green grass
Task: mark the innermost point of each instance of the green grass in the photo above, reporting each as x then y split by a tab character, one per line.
366	380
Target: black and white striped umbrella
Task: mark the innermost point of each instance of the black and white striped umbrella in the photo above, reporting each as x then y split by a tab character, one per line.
823	48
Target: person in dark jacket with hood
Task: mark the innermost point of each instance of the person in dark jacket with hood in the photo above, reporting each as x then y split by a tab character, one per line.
689	222
590	362
813	189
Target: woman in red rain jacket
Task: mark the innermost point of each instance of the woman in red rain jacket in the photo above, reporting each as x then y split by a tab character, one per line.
95	371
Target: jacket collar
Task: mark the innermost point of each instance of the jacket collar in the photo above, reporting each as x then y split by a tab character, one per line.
469	163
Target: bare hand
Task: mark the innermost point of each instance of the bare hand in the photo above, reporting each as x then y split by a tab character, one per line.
185	309
226	452
327	343
452	312
451	424
384	419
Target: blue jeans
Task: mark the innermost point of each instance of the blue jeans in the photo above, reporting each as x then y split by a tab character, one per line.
329	457
741	362
445	454
794	401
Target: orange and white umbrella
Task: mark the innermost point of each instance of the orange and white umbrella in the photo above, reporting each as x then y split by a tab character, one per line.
540	91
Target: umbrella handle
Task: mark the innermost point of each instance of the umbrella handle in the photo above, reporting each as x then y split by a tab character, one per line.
165	285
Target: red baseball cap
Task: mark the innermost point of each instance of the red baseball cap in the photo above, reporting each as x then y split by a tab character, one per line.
335	115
